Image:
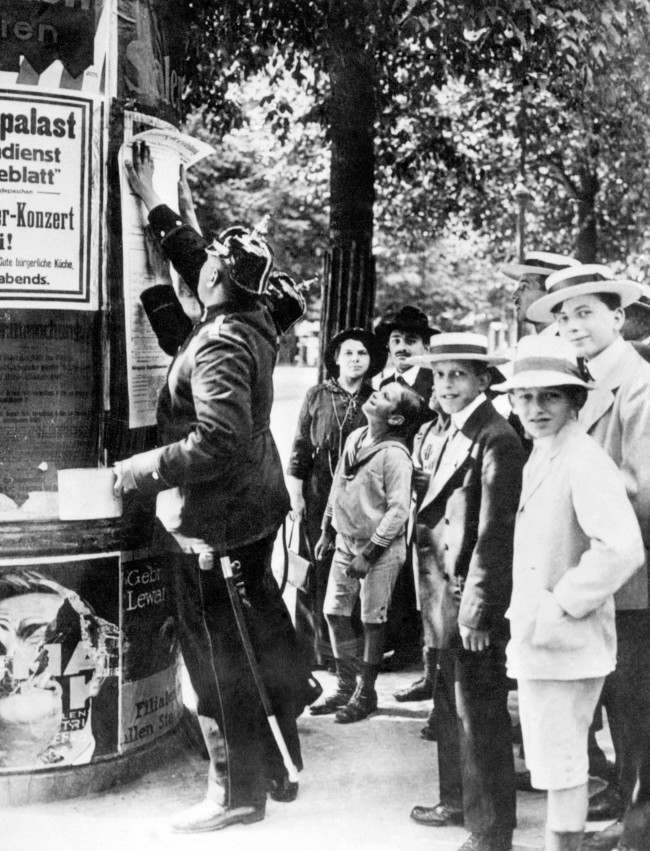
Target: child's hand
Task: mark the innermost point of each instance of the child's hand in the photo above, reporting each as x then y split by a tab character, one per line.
358	567
323	546
475	640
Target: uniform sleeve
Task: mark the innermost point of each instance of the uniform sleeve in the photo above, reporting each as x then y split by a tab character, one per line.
607	519
302	450
488	584
222	435
397	472
183	246
635	447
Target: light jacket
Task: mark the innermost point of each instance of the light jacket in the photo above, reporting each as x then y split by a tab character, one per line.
577	541
617	416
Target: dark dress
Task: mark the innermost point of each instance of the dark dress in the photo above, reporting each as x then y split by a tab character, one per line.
328	415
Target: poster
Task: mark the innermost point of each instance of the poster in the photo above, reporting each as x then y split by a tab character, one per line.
59	660
46	168
42	33
151	702
152	40
88	658
58	44
143	262
48	362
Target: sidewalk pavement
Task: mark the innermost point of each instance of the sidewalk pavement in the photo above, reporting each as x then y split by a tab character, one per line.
359	784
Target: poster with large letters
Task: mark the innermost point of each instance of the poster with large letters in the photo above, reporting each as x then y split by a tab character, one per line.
49	220
88	658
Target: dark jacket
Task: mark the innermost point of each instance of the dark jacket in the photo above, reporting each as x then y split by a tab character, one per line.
218	461
465	522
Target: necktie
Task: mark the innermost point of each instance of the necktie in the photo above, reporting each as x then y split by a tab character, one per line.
445	451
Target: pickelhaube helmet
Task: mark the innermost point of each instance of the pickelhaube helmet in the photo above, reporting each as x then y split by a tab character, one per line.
247	255
286	300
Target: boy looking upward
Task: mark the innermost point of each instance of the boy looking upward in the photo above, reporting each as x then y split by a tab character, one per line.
367	512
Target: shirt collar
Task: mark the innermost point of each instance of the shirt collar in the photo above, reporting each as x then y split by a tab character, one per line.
459	419
603	363
409	376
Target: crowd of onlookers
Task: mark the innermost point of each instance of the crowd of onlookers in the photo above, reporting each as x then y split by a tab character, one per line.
515	489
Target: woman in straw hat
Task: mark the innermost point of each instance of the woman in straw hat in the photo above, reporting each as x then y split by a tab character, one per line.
577	541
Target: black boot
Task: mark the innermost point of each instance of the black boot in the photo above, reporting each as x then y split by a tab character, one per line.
364	700
430	732
346	680
421	689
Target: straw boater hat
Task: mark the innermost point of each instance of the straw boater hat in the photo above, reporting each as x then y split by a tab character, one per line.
377	355
541	263
461	345
543	362
585	279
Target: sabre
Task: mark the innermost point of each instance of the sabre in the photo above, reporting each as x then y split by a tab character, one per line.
233	594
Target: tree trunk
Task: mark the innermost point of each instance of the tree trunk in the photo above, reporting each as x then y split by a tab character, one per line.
348	297
587	238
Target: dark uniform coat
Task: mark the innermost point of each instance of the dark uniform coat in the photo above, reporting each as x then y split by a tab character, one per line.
219	462
220	486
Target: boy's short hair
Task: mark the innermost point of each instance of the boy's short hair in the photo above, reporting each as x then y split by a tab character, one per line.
610	300
410	406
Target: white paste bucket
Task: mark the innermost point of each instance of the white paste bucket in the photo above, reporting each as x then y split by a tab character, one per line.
86	493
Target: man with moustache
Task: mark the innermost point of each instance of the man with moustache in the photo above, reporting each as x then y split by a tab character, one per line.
403	334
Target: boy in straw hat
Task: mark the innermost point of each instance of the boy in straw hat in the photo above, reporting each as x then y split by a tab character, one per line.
464	529
577	541
588	303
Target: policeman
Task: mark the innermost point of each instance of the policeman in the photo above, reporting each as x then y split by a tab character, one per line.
220	491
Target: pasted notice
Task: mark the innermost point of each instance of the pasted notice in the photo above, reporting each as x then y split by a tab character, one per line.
47	374
143	262
45	220
144	267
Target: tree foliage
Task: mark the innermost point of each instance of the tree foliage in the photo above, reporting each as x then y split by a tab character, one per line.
459	91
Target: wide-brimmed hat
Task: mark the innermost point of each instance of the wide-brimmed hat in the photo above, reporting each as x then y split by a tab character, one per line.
543	362
542	263
585	279
457	345
369	340
407	318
